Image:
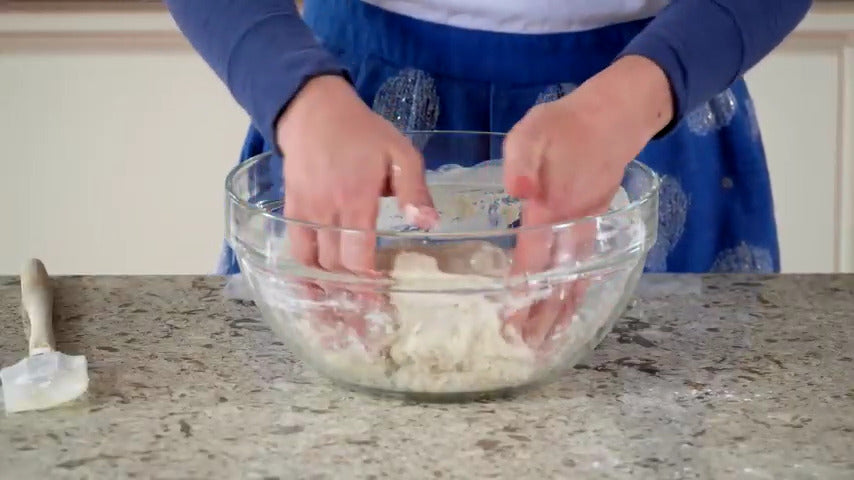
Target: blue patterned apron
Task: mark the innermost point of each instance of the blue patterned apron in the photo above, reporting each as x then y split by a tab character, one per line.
716	211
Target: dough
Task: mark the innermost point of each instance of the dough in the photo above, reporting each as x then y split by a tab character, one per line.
440	329
454	340
436	341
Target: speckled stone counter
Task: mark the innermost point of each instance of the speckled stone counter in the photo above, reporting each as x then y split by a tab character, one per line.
719	377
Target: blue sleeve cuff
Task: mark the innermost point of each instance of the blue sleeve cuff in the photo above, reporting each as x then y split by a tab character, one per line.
698	64
704	46
270	64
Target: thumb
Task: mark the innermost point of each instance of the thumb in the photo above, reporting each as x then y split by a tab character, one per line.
410	187
523	158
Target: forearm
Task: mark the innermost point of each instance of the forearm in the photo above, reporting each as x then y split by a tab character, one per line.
261	49
703	46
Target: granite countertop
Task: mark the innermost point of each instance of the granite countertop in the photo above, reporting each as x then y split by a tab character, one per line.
705	377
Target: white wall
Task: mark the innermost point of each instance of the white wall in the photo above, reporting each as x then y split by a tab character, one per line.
115	140
114	155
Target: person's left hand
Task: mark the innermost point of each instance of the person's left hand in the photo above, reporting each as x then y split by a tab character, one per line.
565	160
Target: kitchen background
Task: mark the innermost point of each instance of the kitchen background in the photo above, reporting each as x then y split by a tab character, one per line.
115	140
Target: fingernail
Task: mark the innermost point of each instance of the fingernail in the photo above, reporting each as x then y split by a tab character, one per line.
525	186
372	274
424	218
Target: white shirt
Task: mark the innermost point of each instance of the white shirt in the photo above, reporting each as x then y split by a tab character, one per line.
524	16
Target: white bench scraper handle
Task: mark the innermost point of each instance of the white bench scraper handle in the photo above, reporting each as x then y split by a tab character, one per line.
37	299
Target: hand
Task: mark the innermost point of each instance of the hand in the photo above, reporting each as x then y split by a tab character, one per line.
340	157
566	159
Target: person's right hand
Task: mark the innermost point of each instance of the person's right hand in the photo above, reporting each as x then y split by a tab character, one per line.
340	157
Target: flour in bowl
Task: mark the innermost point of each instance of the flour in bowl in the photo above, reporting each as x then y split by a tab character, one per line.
440	328
453	341
431	341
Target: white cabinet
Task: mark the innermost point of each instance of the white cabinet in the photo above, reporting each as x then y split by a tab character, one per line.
115	145
804	97
115	139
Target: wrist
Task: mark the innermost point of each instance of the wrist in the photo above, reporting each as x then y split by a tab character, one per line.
637	90
313	91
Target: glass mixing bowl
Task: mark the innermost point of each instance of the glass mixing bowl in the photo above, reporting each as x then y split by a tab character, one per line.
448	318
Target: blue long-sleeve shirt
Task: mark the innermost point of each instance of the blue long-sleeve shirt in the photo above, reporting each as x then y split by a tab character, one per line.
264	52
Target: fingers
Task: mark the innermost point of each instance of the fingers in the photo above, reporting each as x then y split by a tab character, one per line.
542	317
325	214
358	255
305	249
302	239
327	249
344	242
358	239
573	246
523	160
539	249
353	247
577	243
410	186
533	254
533	245
555	314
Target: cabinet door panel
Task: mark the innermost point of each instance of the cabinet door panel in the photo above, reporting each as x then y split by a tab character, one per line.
796	95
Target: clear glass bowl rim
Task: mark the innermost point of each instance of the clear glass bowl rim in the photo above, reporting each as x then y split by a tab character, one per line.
497	232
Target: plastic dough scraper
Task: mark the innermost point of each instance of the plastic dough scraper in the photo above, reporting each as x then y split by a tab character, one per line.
46	378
